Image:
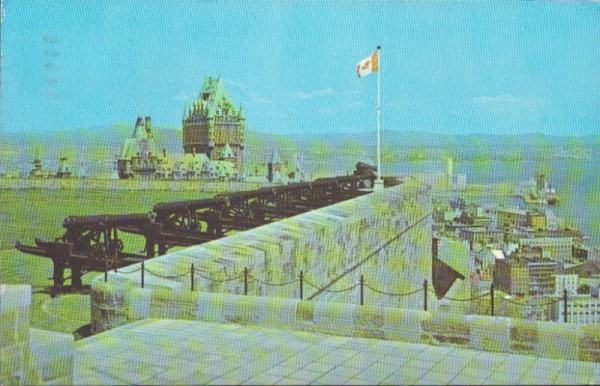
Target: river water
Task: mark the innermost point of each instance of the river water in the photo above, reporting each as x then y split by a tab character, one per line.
576	183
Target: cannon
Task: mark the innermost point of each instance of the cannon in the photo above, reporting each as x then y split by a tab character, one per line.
94	243
90	243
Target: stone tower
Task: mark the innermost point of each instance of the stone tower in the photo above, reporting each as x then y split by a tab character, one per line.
212	122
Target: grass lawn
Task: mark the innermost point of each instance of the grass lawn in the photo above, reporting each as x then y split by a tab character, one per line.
27	214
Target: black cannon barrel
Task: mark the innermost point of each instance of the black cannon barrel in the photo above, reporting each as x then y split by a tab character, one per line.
187	204
232	197
237	196
338	180
106	219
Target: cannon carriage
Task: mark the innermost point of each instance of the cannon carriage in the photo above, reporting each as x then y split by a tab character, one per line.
96	243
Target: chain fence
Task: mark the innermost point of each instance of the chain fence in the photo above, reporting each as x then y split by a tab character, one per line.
361	284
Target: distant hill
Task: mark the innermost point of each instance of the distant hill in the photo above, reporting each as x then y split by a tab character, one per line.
321	154
97	148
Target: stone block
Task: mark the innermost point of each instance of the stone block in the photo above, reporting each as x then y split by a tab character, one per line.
338	318
523	336
589	344
404	325
15	302
52	354
13	366
489	334
244	309
558	341
140	303
210	307
280	312
167	303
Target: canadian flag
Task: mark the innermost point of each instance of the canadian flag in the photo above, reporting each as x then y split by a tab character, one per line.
368	65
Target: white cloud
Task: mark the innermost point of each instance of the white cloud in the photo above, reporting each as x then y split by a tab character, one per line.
184	97
260	100
507	99
234	83
315	94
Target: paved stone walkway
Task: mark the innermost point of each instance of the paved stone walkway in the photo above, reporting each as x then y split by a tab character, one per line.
159	352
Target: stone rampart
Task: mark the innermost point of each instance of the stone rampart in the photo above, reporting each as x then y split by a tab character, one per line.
30	356
383	236
380	236
498	334
15	302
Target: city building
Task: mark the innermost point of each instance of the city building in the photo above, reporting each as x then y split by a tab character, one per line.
566	282
525	272
479	236
556	248
581	309
581	252
512	276
274	168
64	169
213	124
594	284
139	157
586	269
542	276
510	217
484	263
527	253
536	220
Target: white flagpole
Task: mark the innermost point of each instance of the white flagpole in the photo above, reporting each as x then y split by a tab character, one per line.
379	182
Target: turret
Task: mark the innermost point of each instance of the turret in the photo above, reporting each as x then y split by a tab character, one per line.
148	125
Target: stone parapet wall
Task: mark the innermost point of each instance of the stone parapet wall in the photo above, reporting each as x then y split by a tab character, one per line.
541	339
384	236
15	303
29	356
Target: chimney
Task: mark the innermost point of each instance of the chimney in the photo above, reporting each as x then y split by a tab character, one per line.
148	124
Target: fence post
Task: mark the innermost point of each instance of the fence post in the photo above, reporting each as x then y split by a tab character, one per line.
245	280
425	294
565	304
492	298
192	270
362	290
105	275
142	273
301	285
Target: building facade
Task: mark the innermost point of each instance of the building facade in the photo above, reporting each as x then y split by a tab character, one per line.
510	217
566	282
213	124
480	236
536	220
542	276
139	157
581	309
512	277
557	248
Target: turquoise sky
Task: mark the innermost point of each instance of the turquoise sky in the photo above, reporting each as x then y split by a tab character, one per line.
452	68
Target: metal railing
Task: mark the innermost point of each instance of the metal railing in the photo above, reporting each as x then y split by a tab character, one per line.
301	281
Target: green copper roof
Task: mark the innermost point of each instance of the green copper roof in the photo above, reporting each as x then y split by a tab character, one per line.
213	101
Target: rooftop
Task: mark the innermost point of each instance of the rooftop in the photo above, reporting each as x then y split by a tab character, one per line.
190	352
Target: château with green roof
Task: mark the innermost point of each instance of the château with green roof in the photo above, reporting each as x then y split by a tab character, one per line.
214	125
